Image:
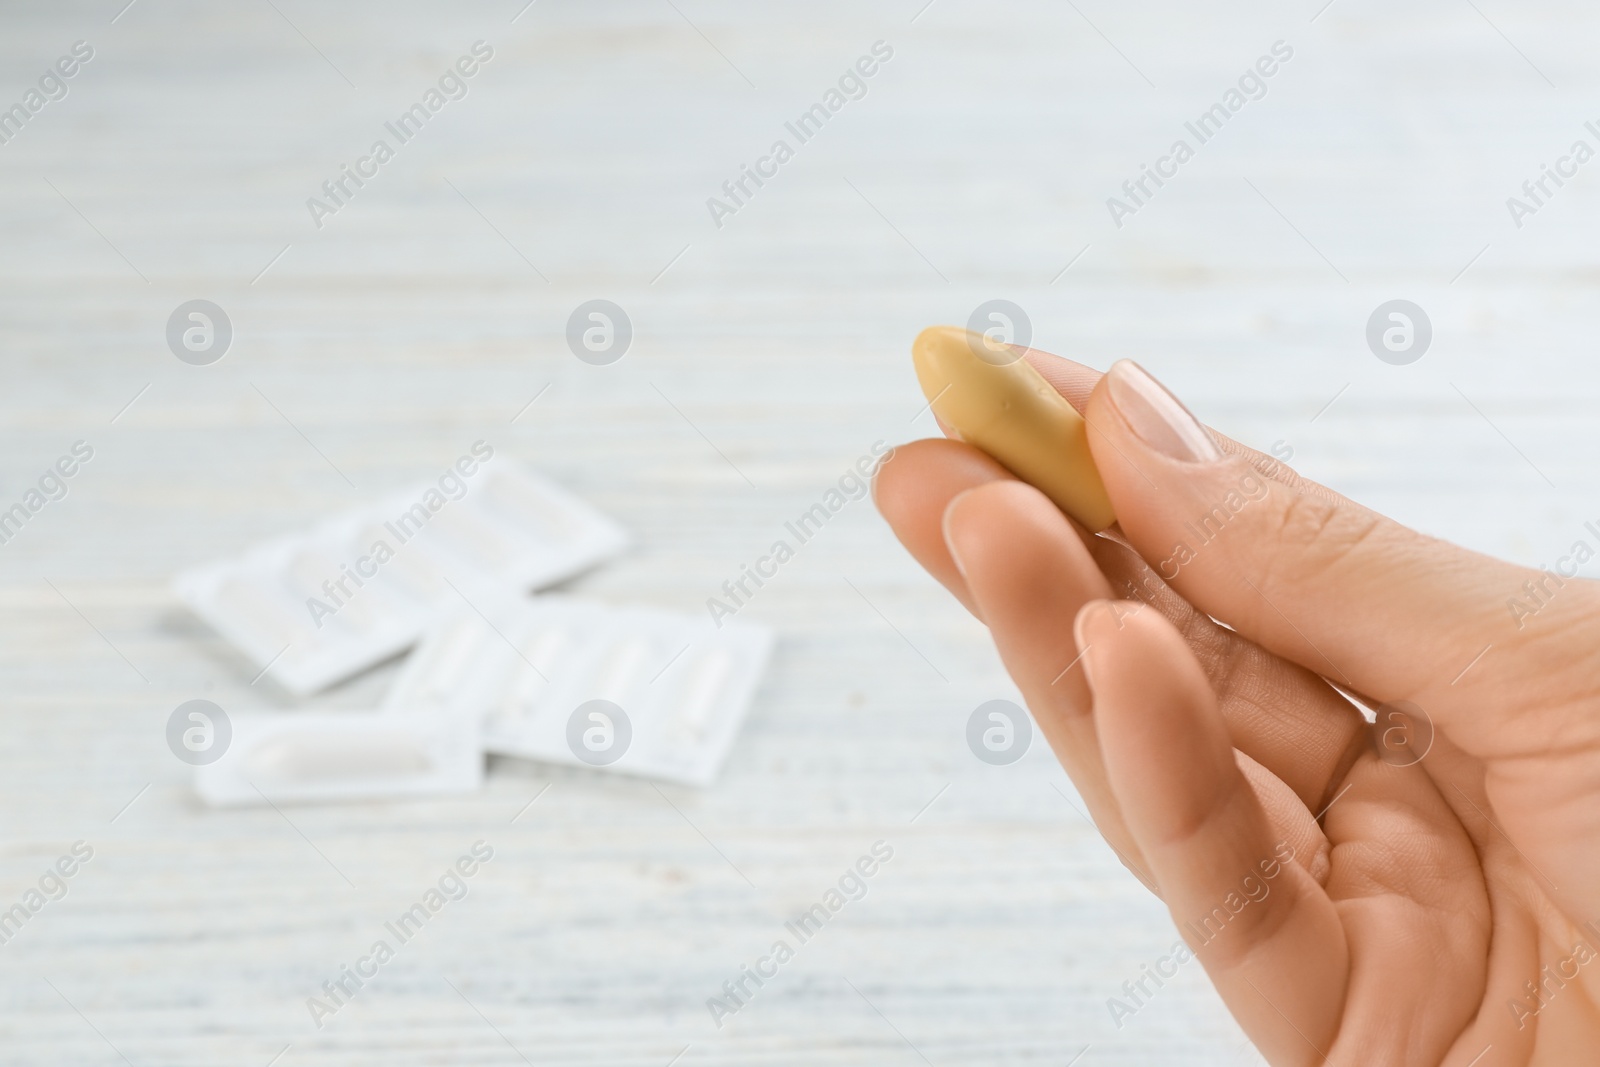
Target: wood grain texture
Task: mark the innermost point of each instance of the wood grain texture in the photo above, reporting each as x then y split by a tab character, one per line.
768	355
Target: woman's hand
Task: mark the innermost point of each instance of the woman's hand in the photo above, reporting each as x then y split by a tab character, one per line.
1423	890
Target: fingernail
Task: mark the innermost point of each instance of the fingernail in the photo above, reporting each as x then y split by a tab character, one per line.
872	485
1157	416
1083	627
949	541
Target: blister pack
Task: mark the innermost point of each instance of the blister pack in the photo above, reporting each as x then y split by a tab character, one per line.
321	606
312	756
557	678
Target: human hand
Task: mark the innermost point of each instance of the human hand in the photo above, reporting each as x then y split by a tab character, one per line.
1442	903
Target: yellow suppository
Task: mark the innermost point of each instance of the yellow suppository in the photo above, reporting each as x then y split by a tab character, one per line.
994	399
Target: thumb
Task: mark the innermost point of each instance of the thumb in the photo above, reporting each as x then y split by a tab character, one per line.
1341	590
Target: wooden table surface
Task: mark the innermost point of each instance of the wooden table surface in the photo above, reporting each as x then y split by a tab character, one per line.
768	355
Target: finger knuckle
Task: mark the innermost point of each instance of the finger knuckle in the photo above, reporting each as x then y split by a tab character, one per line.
1314	536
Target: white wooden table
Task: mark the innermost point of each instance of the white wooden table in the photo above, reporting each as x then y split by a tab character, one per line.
768	355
